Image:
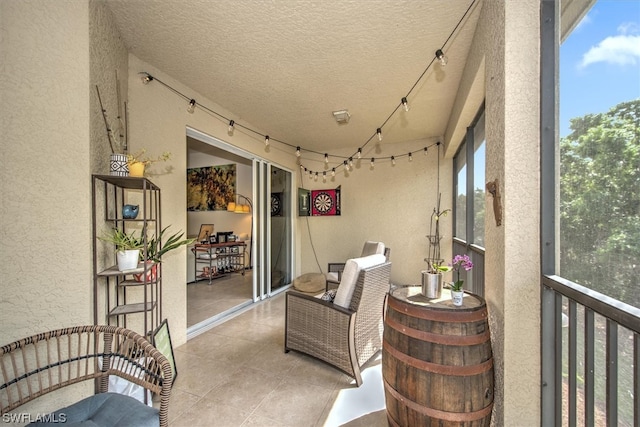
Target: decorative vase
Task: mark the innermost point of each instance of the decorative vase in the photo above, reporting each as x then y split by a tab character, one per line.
431	284
151	273
456	297
130	211
118	165
127	260
136	169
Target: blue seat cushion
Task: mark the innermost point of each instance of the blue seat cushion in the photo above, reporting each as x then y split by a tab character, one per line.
104	410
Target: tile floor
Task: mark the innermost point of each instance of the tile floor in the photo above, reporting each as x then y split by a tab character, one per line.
205	300
237	374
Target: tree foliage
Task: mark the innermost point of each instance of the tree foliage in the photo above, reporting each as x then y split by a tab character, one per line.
600	202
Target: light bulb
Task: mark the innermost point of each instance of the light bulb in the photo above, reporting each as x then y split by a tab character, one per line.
373	161
405	104
425	150
410	157
231	126
298	151
379	132
146	79
192	106
350	162
316	177
266	141
324	177
333	171
359	153
326	158
393	160
441	57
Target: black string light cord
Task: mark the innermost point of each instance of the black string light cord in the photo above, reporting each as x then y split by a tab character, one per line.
345	162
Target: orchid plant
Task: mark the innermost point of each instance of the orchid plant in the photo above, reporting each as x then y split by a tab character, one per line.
459	261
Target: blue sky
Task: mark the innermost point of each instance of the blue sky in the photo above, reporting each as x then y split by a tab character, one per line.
600	61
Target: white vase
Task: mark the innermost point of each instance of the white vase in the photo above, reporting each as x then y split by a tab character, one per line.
456	297
431	284
118	165
127	260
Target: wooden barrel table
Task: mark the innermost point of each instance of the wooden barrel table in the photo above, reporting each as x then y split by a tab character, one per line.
437	363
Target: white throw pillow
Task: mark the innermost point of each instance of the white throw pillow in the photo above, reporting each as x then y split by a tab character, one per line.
350	277
372	248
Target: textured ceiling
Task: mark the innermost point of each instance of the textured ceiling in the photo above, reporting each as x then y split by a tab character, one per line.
283	66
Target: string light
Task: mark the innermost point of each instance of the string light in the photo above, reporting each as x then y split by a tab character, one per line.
405	104
192	106
373	162
441	57
324	177
266	140
333	171
316	177
146	78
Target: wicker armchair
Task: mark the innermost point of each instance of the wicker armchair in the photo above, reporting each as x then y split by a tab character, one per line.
344	338
34	366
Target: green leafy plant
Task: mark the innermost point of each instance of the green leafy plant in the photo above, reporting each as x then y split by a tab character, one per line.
156	248
122	240
139	157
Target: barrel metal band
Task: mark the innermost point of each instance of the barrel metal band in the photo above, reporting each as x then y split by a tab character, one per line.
438	315
436	368
436	413
456	340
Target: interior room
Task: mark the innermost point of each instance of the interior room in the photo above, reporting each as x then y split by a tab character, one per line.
382	141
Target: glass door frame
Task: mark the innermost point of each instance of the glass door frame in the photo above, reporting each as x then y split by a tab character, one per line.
260	253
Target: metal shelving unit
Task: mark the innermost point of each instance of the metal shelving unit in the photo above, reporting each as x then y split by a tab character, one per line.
109	195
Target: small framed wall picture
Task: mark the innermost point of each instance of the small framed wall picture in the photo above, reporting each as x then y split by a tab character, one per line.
161	339
206	231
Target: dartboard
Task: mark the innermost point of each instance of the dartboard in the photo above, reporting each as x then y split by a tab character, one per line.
323	202
275	204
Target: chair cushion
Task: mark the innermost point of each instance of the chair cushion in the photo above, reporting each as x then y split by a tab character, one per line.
104	409
372	248
350	277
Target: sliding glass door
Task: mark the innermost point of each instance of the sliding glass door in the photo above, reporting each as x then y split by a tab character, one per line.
273	258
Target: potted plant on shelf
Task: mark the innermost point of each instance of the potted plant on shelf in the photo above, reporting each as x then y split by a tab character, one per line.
127	248
138	162
155	249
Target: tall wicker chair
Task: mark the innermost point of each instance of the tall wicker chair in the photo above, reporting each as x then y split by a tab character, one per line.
344	338
34	366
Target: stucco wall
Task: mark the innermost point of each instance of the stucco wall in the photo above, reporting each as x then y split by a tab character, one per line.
108	61
392	204
44	167
509	35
